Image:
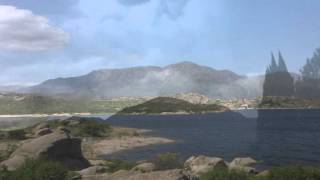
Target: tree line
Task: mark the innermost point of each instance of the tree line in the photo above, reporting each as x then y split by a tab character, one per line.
280	82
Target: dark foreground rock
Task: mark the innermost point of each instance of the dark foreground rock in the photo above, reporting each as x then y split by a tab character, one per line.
57	146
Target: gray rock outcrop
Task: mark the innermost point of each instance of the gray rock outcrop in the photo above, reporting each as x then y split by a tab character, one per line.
57	146
156	175
243	164
144	167
203	164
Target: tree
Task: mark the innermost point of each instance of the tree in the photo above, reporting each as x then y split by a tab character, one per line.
272	68
282	67
309	85
278	81
311	70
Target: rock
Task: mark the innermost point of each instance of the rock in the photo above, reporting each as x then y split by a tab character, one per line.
243	164
244	161
93	170
203	164
39	127
263	173
64	129
43	132
57	146
97	162
176	174
144	167
76	177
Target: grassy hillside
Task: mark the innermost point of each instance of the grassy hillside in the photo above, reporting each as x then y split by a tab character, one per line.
171	105
34	104
289	102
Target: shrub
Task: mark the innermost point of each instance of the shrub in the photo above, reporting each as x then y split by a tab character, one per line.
4	173
167	161
224	174
294	173
116	165
4	154
92	128
278	173
38	170
85	126
18	134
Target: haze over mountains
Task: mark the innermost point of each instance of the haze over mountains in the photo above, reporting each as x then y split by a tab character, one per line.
153	81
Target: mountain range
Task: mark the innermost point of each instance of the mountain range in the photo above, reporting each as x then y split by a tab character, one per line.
153	81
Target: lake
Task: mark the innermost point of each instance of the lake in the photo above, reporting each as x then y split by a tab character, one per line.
274	137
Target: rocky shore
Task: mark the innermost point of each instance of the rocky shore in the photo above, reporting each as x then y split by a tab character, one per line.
59	145
78	143
56	141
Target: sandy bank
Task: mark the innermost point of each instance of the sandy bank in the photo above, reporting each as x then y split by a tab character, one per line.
110	146
121	139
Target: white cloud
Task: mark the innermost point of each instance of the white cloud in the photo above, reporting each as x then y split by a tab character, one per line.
22	30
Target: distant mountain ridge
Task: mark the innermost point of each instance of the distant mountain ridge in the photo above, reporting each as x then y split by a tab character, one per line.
152	81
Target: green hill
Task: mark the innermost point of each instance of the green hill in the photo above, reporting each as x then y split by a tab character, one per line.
171	105
36	104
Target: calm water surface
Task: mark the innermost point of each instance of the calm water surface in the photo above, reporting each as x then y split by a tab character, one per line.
275	137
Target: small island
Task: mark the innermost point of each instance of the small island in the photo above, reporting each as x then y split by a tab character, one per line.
169	105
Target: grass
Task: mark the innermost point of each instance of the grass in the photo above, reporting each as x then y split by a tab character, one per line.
5	153
277	173
288	102
225	174
167	161
116	165
18	134
40	169
36	104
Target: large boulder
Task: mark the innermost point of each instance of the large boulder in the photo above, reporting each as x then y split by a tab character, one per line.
144	167
57	146
203	164
40	126
42	132
244	164
93	170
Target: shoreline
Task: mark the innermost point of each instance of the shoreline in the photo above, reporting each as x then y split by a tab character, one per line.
137	114
49	115
121	139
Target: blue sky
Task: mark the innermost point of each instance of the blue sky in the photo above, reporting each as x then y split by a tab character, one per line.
47	39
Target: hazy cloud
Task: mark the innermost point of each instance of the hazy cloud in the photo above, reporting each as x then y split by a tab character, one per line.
172	9
132	2
22	30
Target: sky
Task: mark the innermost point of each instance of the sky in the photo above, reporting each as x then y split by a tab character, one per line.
44	39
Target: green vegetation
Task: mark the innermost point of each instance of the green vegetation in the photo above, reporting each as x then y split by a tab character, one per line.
116	165
35	104
171	105
167	161
225	174
5	153
37	170
18	134
278	173
288	102
294	173
83	126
